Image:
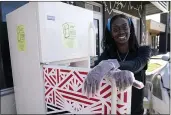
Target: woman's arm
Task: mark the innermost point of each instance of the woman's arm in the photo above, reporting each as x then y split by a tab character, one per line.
137	64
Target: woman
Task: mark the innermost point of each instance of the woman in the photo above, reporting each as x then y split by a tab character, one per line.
120	43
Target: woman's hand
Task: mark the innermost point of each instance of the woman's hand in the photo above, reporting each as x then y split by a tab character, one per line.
123	79
95	76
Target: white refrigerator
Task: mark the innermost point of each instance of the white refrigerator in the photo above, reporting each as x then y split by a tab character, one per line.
50	47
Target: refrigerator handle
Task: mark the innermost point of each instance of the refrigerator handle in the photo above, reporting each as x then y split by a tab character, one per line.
92	40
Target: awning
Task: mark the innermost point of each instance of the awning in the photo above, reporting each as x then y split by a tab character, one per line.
157	7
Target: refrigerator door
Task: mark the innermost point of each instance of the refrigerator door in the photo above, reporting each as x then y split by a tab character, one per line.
66	32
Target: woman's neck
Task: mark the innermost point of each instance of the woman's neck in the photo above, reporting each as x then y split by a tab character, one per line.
123	48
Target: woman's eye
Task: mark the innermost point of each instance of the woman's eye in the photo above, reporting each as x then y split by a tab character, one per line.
125	27
115	30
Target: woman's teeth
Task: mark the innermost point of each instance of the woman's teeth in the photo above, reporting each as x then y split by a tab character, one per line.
122	37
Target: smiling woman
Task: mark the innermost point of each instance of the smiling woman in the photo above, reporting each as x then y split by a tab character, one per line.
120	43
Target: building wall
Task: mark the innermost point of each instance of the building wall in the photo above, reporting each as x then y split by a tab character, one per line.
155	17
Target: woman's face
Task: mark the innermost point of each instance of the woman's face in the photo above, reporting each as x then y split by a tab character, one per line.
120	30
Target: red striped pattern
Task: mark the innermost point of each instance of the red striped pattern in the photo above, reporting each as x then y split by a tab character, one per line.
65	86
77	95
61	84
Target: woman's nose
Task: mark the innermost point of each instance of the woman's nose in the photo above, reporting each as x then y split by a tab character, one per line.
121	31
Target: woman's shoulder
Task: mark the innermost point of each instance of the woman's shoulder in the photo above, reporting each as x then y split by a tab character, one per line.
144	48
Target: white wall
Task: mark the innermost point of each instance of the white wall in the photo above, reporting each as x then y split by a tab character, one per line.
155	17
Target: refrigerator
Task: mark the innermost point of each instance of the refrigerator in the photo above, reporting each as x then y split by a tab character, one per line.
50	47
